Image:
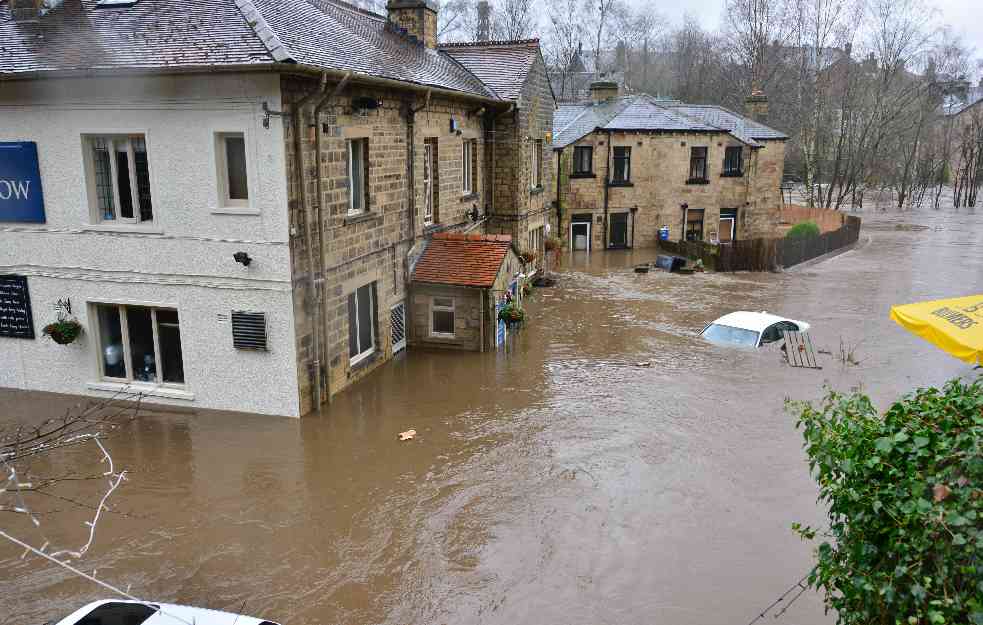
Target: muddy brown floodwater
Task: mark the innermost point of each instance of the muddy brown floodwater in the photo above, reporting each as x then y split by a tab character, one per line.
555	482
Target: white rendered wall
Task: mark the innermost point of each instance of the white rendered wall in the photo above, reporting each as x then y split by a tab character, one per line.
183	260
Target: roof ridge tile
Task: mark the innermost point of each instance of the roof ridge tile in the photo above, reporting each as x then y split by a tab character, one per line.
264	31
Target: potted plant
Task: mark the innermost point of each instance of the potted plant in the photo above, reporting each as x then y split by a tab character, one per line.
527	256
512	315
64	331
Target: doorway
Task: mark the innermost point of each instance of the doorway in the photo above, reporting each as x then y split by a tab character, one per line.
580	236
618	228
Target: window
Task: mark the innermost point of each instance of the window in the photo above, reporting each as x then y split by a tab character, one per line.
358	176
361	323
442	317
537	164
119	185
536	239
469	166
431	191
728	225
694	224
732	160
140	344
230	151
583	160
622	164
698	164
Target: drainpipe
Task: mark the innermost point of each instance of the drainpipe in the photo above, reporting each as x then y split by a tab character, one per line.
313	283
319	282
607	183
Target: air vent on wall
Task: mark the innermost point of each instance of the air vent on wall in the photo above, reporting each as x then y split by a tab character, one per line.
248	330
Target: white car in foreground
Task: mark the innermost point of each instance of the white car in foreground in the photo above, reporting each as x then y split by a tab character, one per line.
750	329
114	612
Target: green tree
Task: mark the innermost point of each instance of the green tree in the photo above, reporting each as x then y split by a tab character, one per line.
905	504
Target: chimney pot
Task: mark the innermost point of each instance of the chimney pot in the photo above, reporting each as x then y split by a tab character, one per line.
416	17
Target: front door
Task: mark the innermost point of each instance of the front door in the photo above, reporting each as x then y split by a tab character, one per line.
618	228
580	236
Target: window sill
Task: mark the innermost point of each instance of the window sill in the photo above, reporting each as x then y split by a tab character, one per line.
132	228
697	181
586	174
360	217
235	210
150	390
469	197
621	183
732	174
362	361
536	190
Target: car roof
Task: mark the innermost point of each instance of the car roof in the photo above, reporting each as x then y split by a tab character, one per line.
756	321
171	614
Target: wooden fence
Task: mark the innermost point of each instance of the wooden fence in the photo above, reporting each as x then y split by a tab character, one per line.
765	254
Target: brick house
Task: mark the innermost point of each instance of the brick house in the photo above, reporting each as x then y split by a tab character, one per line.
238	190
632	165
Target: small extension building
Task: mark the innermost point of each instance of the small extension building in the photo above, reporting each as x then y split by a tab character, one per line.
632	166
228	197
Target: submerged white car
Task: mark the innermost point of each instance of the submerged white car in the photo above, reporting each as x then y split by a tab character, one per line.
750	329
112	612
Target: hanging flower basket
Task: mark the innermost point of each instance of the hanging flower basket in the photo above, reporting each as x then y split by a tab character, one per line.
63	331
512	315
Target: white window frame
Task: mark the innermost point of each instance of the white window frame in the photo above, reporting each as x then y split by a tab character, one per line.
451	309
352	209
113	139
467	173
428	182
365	353
127	352
222	170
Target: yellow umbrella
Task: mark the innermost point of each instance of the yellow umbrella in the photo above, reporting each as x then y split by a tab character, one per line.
954	325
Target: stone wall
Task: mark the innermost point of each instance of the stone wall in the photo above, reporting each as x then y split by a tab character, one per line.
373	246
519	208
467	317
659	186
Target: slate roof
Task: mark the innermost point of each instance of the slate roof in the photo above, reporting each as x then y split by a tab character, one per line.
571	122
174	34
955	105
502	65
458	259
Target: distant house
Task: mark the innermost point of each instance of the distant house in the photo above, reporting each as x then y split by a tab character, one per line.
235	192
632	166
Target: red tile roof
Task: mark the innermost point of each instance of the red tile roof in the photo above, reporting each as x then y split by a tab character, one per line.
463	259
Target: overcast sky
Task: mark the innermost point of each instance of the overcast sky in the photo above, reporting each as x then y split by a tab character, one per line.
964	16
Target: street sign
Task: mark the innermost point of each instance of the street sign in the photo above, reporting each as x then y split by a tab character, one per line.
21	196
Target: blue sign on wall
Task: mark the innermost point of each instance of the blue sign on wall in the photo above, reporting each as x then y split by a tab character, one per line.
21	197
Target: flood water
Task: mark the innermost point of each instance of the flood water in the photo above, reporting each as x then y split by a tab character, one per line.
555	482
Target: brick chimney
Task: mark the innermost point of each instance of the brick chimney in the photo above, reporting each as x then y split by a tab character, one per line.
25	10
756	106
417	17
603	90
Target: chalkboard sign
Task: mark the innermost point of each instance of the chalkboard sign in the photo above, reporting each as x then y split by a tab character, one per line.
15	308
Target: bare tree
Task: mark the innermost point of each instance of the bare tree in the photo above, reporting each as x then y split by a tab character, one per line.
27	483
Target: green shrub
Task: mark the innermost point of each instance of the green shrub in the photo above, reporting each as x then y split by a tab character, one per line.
803	230
904	493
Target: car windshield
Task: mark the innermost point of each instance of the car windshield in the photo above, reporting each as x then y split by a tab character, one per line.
729	335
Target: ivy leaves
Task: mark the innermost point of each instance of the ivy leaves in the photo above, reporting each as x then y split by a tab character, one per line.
905	505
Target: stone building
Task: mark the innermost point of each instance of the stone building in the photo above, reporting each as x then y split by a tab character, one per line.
631	166
235	192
